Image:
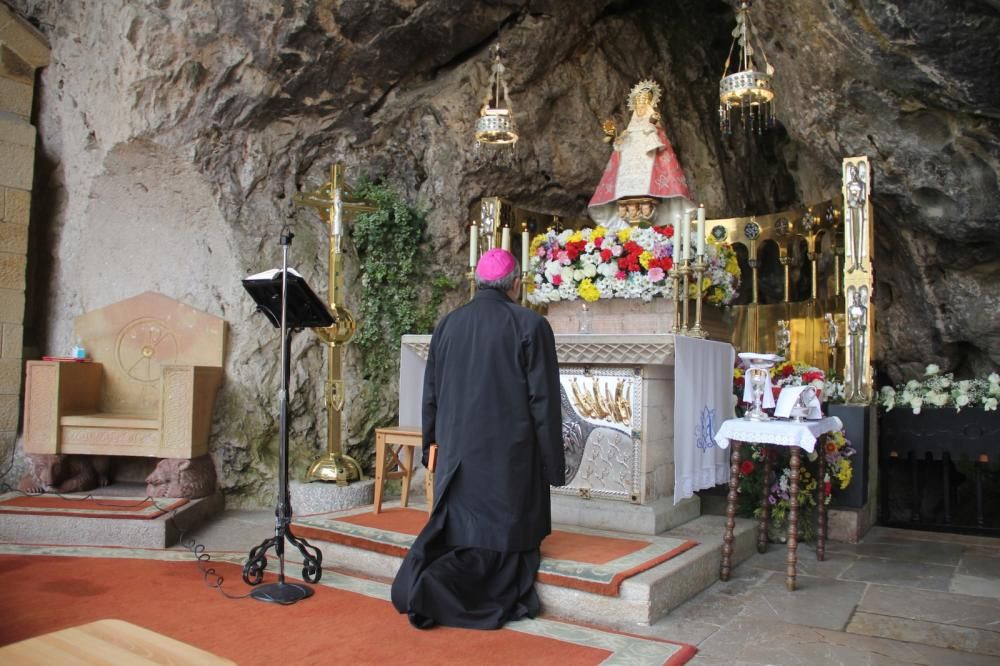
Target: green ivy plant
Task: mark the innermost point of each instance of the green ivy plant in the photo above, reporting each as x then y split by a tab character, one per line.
399	294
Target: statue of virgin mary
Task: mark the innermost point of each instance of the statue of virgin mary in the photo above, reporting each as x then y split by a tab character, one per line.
643	181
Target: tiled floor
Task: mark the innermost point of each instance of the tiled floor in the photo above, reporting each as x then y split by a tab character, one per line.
898	597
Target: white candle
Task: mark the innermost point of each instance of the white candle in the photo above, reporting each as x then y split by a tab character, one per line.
701	230
505	238
473	245
687	237
525	242
678	239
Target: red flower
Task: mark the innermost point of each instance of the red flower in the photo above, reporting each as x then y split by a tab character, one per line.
746	468
620	275
827	487
808	377
605	255
557	279
787	369
666	230
599	241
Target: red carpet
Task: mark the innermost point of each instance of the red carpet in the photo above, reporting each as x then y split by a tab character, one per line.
46	593
90	507
581	561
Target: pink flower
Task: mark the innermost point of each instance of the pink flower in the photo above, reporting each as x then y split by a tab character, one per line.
563	257
620	275
557	280
616	250
540	251
655	274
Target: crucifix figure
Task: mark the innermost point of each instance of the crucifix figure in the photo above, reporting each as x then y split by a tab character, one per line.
334	203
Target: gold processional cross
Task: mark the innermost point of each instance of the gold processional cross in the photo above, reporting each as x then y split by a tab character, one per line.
334	203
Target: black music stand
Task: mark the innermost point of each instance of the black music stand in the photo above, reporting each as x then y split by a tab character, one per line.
288	302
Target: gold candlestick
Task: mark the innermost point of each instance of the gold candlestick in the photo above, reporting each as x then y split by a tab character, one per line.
674	274
699	267
471	277
524	288
686	277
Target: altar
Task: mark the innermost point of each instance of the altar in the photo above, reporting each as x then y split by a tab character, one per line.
636	447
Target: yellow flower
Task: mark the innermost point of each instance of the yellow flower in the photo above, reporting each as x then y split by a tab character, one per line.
588	291
598	232
536	242
644	259
624	234
575	237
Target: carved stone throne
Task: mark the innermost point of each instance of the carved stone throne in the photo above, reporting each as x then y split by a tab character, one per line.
148	390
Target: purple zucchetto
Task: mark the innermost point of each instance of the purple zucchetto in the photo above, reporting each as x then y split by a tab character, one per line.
495	264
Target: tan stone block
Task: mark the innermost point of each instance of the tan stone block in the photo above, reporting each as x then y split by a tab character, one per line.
10	376
17	165
10	411
17	132
14	238
12	342
16	206
15	97
12	267
12	306
13	66
23	38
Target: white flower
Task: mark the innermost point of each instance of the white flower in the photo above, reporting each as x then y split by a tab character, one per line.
916	403
938	399
912	385
932	369
589	270
990	404
994	378
961	400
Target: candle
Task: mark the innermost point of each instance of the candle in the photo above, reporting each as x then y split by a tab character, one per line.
525	242
686	233
505	238
701	230
473	245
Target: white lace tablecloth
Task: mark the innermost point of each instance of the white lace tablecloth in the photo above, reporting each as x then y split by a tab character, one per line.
782	433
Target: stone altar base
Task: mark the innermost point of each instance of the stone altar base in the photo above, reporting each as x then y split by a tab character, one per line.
652	518
161	532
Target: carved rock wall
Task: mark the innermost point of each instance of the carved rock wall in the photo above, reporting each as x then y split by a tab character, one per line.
173	136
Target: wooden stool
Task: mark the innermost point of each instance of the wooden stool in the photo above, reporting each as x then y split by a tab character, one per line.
389	443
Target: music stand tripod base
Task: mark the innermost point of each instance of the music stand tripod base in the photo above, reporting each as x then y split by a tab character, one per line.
282	592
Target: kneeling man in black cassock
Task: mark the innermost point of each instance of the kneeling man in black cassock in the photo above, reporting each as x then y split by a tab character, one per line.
491	403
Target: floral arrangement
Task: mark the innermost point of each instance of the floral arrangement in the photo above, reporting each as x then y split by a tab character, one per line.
630	263
939	389
833	445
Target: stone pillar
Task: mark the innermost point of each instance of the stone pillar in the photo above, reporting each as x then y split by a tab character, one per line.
23	50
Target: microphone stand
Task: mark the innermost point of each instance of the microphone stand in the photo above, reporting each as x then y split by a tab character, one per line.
283	592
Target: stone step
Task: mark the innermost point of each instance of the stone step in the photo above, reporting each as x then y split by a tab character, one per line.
642	599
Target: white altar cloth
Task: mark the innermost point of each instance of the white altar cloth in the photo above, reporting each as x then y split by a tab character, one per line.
783	433
703	398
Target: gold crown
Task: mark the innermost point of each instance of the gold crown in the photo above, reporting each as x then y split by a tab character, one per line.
648	87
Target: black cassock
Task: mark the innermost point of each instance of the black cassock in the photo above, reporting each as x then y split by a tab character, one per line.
491	403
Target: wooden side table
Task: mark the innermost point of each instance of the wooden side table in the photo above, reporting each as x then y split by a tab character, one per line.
389	444
771	433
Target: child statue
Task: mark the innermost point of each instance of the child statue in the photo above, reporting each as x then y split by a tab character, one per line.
643	181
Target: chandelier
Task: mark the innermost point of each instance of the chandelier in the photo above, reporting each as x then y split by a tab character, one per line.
746	92
496	133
